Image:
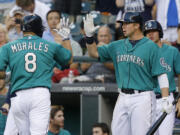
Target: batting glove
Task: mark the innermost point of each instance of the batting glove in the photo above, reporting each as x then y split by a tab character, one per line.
166	105
64	30
89	27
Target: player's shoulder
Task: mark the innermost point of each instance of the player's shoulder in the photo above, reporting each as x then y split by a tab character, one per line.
149	43
117	43
170	47
51	44
65	132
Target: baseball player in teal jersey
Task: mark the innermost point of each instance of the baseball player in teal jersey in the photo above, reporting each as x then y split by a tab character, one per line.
31	60
136	62
171	62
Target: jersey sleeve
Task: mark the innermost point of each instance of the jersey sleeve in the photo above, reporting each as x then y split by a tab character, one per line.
156	60
176	60
3	58
103	52
62	55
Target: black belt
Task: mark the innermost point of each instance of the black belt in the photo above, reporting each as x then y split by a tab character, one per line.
158	95
13	95
132	91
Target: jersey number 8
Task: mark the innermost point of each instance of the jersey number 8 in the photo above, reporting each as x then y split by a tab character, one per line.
29	62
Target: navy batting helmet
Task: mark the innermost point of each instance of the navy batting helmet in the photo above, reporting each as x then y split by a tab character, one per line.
132	17
153	25
32	23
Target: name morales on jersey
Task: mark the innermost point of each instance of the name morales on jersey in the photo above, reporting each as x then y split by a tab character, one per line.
29	46
164	64
130	58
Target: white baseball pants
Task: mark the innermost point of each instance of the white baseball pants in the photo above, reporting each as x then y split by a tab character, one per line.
133	113
10	128
31	110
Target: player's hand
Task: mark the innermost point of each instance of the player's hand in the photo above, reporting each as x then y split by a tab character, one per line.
5	109
166	105
178	108
89	27
64	28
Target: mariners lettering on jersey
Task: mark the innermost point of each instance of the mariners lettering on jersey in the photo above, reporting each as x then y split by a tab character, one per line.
29	46
130	58
165	65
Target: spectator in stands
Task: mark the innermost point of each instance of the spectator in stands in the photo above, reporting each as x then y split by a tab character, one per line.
13	25
3	35
177	42
32	7
167	13
100	129
56	124
108	10
142	6
107	7
53	19
95	69
71	7
3	88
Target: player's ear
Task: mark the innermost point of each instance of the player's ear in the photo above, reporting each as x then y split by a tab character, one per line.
137	25
51	120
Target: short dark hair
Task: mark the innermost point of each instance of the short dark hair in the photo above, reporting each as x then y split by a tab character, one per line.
53	10
103	126
24	3
55	109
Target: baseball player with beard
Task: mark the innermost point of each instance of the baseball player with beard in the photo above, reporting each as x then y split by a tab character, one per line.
136	63
171	62
31	61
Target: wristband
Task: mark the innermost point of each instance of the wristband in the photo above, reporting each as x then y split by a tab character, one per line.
89	40
66	39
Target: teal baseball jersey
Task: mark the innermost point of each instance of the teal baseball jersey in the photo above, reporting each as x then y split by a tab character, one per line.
31	61
135	67
171	62
61	132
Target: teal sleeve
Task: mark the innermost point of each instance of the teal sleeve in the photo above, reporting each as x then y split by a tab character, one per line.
156	62
3	58
58	66
64	132
103	52
177	61
62	55
68	133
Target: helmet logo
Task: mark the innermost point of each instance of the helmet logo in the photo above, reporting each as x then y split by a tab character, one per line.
149	25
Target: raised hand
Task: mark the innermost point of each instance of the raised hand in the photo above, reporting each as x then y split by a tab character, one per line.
89	27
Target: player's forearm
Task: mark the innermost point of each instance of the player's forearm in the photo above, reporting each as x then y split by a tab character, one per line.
179	83
164	84
2	75
165	92
92	50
